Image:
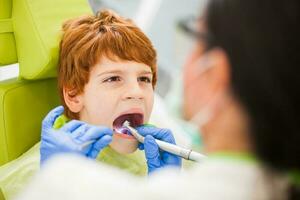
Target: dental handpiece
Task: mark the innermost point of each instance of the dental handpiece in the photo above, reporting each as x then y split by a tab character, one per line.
187	154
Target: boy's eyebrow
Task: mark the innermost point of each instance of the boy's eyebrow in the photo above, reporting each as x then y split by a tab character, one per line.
110	72
120	71
146	72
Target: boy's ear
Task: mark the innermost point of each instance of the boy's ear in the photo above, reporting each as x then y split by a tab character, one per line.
73	100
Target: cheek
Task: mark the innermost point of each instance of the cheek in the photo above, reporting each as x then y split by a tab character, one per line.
149	100
189	100
188	72
99	107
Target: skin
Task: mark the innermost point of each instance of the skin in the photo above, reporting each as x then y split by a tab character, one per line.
207	87
114	88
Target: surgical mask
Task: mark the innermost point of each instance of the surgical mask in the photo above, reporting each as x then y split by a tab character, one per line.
174	103
205	114
201	118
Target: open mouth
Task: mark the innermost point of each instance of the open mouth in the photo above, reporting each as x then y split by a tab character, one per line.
134	119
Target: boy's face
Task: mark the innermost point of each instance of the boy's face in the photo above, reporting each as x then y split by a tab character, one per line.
117	91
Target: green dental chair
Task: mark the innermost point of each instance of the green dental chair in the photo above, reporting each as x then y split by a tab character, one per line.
29	35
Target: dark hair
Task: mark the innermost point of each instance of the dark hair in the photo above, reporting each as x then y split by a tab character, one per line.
262	41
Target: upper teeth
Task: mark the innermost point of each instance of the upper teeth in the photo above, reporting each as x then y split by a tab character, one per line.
126	123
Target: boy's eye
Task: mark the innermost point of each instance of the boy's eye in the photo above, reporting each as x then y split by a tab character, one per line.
112	79
145	79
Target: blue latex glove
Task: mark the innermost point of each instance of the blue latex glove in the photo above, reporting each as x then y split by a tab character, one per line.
71	137
157	158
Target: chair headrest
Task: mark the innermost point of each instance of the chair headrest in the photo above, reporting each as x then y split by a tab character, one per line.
37	26
8	52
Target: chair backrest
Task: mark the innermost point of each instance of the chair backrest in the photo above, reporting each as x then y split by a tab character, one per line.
29	35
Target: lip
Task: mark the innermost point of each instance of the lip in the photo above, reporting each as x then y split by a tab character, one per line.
131	111
125	136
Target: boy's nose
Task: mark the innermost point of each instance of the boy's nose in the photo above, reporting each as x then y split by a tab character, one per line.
134	91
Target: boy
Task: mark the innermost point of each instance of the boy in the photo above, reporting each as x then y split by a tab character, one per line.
106	75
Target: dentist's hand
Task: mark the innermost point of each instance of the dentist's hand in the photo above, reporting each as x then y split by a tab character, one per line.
72	137
157	158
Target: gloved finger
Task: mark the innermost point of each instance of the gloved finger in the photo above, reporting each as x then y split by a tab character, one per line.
152	153
158	133
168	136
80	131
99	145
95	132
71	126
58	142
49	120
141	146
170	159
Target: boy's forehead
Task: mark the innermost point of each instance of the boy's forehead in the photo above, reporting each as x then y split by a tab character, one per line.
106	64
